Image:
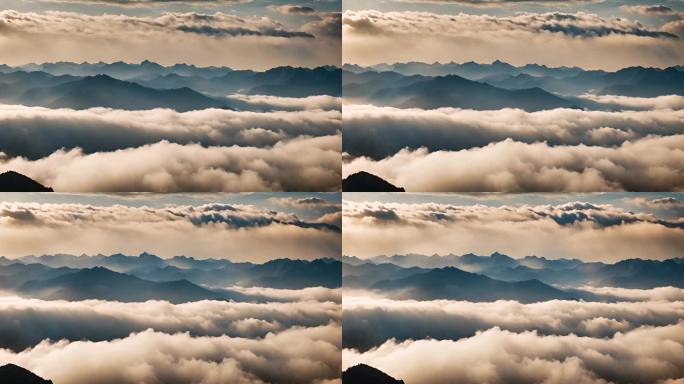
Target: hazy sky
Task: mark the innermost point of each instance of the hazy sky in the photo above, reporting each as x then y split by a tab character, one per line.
600	227
246	227
591	34
255	34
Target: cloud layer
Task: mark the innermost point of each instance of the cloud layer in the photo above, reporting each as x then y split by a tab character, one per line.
26	322
601	232
500	356
379	132
36	132
202	39
552	38
239	232
302	164
296	355
369	322
647	164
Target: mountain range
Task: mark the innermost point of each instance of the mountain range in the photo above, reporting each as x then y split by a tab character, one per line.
631	273
150	85
219	273
500	85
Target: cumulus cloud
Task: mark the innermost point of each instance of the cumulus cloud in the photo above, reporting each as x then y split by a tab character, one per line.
240	232
196	37
26	322
379	132
638	103
646	164
321	102
296	355
561	38
36	132
500	356
369	322
600	232
217	25
302	164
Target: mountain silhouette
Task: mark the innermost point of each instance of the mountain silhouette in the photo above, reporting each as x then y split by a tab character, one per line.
14	374
278	273
105	91
455	91
11	181
364	374
367	182
455	284
101	283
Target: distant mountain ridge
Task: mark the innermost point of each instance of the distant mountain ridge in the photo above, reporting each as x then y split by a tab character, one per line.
278	273
564	82
631	273
211	82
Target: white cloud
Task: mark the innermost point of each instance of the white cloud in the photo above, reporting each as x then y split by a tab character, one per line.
238	232
552	38
647	164
320	102
674	102
296	355
369	322
36	132
590	232
382	131
642	355
202	39
24	322
302	164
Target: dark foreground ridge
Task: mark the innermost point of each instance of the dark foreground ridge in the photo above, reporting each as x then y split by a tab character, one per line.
364	374
367	182
11	181
14	374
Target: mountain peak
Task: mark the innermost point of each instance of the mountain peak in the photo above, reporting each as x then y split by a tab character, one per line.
10	373
368	182
11	181
365	374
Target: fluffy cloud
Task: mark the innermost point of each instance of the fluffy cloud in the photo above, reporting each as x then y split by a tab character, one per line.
552	38
647	164
216	25
240	232
369	322
26	322
378	132
36	132
638	103
321	102
573	230
296	355
202	39
308	164
499	356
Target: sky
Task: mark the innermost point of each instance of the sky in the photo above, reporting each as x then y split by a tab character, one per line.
238	227
606	227
241	34
605	35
